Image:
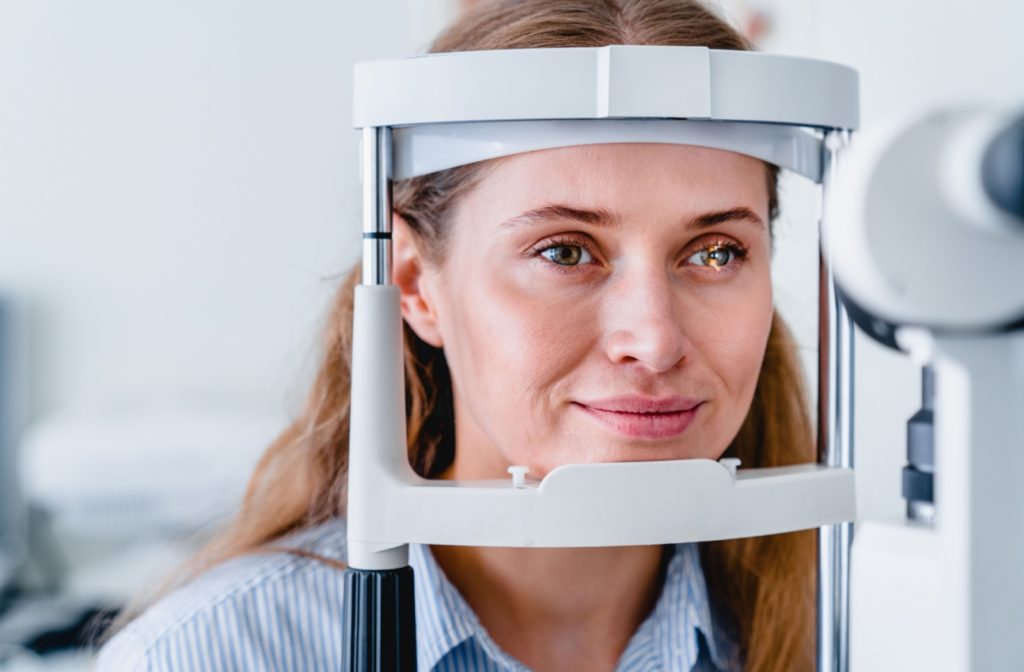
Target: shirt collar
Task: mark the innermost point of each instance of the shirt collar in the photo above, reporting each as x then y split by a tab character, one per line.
683	609
444	620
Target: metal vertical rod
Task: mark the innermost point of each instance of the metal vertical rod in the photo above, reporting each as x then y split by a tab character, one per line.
835	439
379	626
376	170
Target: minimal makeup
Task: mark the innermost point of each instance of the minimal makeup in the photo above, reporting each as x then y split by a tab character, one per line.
600	303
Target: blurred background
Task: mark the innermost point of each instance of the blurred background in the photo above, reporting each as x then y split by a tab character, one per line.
178	200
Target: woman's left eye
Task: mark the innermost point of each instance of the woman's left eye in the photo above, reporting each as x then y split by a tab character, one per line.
567	255
716	256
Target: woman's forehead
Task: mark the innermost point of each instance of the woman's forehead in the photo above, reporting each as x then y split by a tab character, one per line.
623	178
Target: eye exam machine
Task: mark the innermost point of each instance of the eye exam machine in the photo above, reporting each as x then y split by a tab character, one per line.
922	247
430	113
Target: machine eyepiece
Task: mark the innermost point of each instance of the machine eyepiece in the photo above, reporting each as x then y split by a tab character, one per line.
1002	170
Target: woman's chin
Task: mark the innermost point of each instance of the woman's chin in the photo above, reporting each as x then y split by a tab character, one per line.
603	453
647	453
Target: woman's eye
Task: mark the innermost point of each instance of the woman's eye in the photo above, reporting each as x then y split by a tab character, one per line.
715	256
567	255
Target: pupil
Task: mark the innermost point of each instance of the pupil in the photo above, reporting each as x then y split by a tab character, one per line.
718	256
567	254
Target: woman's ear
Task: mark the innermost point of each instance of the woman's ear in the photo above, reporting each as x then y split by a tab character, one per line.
410	274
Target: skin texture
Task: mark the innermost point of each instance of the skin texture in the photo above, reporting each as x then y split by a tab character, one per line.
646	303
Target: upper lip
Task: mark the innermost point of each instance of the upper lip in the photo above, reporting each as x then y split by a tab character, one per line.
643	404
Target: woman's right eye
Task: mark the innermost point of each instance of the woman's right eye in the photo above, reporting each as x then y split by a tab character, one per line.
567	255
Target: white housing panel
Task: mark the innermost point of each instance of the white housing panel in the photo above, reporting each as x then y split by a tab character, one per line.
605	82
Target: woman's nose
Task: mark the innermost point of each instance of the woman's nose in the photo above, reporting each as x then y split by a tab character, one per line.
643	323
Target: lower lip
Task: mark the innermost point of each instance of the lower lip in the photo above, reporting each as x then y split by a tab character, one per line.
644	425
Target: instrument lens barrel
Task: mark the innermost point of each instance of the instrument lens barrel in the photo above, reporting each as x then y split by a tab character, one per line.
1002	170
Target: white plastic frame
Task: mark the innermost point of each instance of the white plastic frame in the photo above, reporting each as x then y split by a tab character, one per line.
625	82
426	148
430	113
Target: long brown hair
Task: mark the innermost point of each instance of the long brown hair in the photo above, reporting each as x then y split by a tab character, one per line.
764	585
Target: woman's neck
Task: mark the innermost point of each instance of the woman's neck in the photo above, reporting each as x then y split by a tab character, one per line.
558	608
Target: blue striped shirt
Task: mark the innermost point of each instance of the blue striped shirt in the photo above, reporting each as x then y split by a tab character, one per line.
280	611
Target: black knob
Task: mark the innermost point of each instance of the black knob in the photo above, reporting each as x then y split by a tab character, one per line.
380	621
1002	170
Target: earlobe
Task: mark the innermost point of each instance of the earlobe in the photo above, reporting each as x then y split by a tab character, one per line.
409	273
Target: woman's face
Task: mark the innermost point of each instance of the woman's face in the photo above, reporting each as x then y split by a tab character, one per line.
600	304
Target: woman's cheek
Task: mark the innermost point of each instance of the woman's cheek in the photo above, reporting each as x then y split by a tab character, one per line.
733	333
539	302
533	334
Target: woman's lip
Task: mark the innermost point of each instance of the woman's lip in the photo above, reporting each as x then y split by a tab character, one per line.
639	404
656	425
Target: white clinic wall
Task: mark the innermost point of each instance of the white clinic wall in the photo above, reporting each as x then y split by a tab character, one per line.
178	190
178	199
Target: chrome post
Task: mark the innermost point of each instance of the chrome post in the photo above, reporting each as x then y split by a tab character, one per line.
376	170
835	439
378	614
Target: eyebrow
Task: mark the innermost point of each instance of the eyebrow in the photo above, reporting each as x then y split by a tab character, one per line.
601	217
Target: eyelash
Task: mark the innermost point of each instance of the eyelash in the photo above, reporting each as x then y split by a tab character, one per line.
739	251
566	241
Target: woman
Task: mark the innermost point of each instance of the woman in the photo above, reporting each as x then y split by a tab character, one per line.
583	304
